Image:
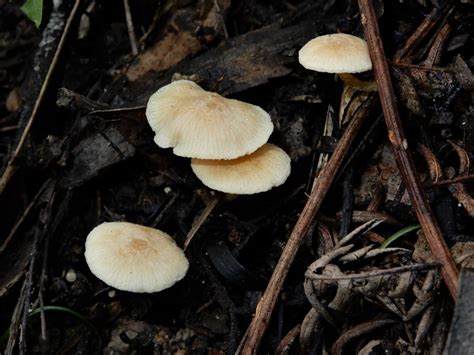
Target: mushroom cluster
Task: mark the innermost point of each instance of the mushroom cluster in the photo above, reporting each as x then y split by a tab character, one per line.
226	138
227	141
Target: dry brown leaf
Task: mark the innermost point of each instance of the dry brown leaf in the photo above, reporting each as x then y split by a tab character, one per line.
464	162
433	164
461	194
351	101
13	102
408	92
463	254
174	47
381	170
212	17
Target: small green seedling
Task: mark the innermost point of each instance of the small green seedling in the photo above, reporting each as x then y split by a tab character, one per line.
34	10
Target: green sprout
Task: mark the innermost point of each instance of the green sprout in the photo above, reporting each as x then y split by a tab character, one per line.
399	234
34	10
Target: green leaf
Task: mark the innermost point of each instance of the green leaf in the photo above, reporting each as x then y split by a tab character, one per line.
398	234
34	10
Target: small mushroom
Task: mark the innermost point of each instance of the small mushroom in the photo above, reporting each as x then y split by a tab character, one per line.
134	258
339	53
268	167
205	125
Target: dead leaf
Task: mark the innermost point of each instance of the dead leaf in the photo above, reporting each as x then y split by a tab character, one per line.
464	161
433	164
174	47
13	102
463	254
408	92
461	194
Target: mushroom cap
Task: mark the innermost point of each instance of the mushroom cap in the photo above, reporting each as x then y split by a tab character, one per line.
268	167
134	258
336	53
205	125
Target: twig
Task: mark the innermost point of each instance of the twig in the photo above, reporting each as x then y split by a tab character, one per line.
445	182
420	67
25	214
131	31
421	32
73	101
287	341
325	178
201	219
369	274
8	128
11	168
399	143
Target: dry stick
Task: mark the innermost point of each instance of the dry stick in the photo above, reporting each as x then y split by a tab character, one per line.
399	143
326	176
455	180
200	221
423	29
131	31
11	168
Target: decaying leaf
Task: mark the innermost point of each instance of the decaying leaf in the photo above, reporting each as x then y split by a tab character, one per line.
434	168
461	194
464	161
392	279
351	101
408	92
381	170
463	74
463	254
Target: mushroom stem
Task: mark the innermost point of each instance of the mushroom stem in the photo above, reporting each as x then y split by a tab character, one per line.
356	83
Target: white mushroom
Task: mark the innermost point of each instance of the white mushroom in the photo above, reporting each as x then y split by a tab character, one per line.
268	167
205	125
131	257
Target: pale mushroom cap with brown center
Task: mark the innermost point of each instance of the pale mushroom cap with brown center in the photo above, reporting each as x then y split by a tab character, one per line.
268	167
336	53
134	258
205	125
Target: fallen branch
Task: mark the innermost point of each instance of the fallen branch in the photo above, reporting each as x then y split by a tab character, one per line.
323	183
400	147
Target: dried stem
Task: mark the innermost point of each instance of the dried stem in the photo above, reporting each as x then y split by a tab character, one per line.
131	31
421	32
446	182
201	219
399	143
323	182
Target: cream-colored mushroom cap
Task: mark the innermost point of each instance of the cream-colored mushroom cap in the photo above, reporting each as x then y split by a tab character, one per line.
205	125
268	167
336	53
134	258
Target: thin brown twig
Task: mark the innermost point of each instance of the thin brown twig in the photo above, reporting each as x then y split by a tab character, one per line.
287	341
11	168
420	67
24	215
131	31
446	182
399	143
200	221
324	180
8	128
421	32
